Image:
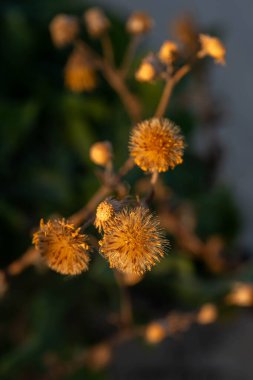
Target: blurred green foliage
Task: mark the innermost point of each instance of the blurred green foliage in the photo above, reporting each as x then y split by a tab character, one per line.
45	136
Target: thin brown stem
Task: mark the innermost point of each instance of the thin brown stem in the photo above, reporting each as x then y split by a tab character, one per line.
126	314
130	101
168	89
107	49
129	55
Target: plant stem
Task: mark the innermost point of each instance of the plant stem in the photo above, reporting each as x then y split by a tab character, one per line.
126	315
168	89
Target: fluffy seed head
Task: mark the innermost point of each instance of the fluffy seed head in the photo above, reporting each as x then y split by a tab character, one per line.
79	74
133	243
62	246
106	210
168	52
156	145
96	22
139	23
101	152
63	29
213	47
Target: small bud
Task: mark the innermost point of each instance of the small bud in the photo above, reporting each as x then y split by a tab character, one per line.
150	69
106	210
213	47
139	23
63	29
168	52
101	153
96	22
155	333
79	73
207	314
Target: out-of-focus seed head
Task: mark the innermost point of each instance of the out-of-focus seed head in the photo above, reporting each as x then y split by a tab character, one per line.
101	153
213	47
106	210
168	52
156	145
96	22
207	314
150	69
241	295
64	29
155	333
139	23
134	242
79	73
63	247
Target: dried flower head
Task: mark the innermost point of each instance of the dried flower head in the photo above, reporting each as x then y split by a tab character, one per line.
63	247
134	242
156	145
96	22
139	23
79	73
168	52
150	69
106	210
63	29
155	333
208	313
101	153
213	47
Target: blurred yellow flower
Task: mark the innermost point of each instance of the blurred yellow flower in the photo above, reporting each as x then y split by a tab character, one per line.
79	74
213	47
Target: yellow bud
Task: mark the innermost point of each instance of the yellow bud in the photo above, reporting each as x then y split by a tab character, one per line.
63	29
139	23
168	52
101	153
96	22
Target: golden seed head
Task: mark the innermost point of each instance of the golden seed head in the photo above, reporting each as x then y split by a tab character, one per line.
101	153
207	314
133	243
156	145
139	23
106	210
213	47
96	22
62	246
168	52
155	333
63	29
79	74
